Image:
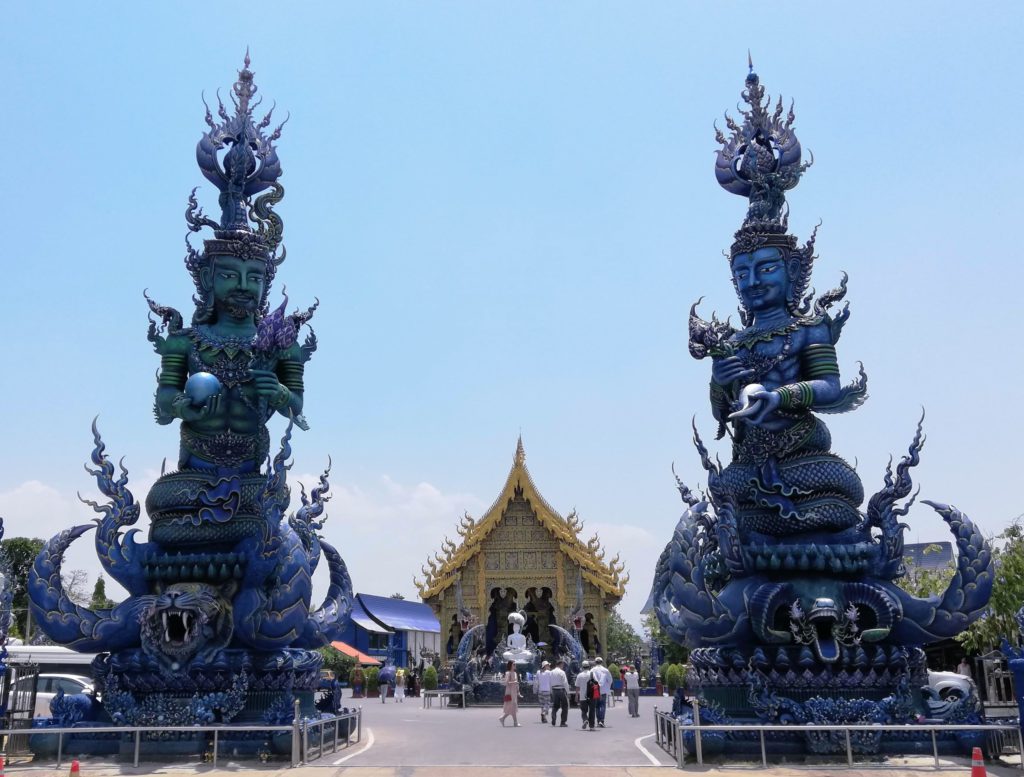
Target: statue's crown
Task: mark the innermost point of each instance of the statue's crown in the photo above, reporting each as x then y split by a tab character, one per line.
241	161
760	160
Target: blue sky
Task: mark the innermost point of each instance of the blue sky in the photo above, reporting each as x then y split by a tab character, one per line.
506	210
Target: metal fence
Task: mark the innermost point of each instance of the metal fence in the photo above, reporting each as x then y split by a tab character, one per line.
668	734
318	735
310	739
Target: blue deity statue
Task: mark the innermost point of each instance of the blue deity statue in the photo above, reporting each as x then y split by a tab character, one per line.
219	625
776	577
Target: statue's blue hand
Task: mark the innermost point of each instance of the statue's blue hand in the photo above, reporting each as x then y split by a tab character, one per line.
764	403
269	388
182	407
725	370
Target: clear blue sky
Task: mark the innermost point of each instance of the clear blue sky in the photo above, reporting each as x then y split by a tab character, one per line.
506	210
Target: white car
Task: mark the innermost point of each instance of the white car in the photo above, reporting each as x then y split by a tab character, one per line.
950	685
47	686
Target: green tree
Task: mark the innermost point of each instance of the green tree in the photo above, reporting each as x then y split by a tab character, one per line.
623	641
923	582
674	677
430	678
674	652
337	661
396	596
1007	595
21	552
99	599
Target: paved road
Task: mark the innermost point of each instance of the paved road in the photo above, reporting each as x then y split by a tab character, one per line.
405	734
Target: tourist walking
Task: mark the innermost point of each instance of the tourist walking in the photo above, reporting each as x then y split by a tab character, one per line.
542	687
410	684
588	709
559	693
604	677
511	702
632	682
399	685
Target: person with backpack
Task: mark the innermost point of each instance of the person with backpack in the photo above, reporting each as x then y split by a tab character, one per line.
604	679
585	687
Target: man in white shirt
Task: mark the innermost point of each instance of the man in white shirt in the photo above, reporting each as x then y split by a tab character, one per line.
542	686
588	708
559	693
633	691
604	677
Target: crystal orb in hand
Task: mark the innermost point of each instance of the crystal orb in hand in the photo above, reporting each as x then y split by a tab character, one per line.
201	386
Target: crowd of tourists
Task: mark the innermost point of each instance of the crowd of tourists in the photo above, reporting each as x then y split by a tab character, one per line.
593	686
402	683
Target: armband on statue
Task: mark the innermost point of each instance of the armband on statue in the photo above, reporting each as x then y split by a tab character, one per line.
818	360
173	370
796	396
290	375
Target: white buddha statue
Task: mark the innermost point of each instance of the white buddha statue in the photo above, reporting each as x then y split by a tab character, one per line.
517	649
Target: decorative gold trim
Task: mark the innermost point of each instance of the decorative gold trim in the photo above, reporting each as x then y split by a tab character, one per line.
588	555
560	593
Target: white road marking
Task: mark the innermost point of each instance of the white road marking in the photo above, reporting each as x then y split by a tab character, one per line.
369	744
645	751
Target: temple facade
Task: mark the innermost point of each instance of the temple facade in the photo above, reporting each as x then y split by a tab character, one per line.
522	556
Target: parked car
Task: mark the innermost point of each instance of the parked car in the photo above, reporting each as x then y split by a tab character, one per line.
47	686
950	685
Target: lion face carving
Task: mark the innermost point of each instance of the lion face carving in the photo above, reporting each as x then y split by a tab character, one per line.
186	620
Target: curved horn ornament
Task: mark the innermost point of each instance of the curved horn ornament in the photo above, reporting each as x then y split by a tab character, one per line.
120	555
966	596
73	625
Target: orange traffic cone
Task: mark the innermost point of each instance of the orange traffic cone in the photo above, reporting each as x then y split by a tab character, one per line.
75	771
977	764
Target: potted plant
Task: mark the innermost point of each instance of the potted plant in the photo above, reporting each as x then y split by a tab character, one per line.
616	678
430	678
674	678
370	678
358	682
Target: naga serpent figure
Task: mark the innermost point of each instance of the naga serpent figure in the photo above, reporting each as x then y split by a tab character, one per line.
779	582
219	624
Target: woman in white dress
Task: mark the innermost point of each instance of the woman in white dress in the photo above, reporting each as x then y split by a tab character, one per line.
399	685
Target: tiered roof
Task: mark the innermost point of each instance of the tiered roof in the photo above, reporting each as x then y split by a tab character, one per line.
442	569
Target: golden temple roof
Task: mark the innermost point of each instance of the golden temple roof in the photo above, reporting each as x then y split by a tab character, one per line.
442	569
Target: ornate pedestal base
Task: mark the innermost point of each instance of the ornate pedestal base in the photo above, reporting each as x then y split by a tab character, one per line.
236	686
872	684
